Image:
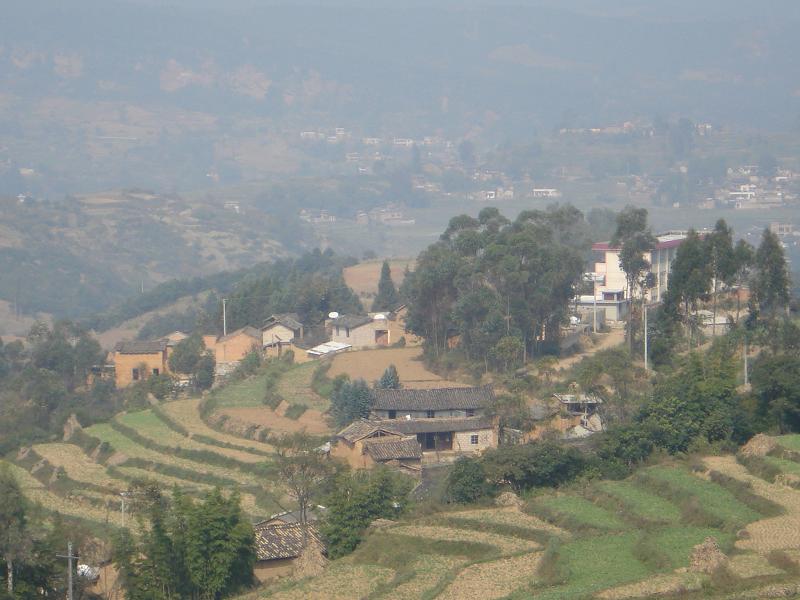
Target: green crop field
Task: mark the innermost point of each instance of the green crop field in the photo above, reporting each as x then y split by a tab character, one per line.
791	441
711	497
248	392
294	386
640	502
579	511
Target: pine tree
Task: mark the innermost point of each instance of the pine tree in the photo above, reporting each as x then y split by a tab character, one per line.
13	524
387	298
390	380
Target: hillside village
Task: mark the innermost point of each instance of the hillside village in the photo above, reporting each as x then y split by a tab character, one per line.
528	459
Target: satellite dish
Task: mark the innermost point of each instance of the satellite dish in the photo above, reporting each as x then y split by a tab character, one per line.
379	317
333	315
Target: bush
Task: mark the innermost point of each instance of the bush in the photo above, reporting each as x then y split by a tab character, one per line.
536	464
295	411
467	482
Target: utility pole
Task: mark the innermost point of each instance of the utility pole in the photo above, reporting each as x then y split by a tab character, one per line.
70	557
645	337
224	318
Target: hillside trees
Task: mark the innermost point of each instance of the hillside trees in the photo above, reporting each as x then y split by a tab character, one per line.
387	298
350	400
489	278
192	550
634	238
770	286
690	278
722	261
311	285
190	357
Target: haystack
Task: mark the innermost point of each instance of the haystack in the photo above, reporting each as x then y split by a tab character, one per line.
707	557
508	499
311	562
759	445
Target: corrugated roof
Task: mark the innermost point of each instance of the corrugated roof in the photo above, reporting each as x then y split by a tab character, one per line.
362	428
433	399
393	449
281	540
141	347
412	426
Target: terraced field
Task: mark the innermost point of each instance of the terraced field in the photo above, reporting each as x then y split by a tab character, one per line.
294	386
611	540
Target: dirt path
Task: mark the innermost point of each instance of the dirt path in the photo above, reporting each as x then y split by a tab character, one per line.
613	338
775	533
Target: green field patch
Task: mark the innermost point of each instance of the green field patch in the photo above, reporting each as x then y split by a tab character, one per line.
790	441
294	386
789	467
676	543
710	497
247	393
295	411
591	564
422	577
640	502
576	512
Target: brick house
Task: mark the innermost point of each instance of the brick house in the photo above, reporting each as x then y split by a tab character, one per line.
134	361
282	329
363	444
235	346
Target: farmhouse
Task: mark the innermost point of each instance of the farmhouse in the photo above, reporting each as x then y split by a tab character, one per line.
282	329
360	331
279	544
235	346
410	427
138	360
363	444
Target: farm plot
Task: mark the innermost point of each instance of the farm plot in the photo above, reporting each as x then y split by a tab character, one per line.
775	533
428	571
578	512
675	543
77	465
341	580
35	492
790	441
508	516
592	564
505	544
363	278
712	497
187	414
493	579
148	425
641	502
370	365
663	584
131	449
294	386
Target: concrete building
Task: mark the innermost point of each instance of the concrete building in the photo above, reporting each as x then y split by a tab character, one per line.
611	279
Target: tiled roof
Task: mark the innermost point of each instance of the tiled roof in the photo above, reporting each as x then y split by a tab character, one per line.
362	428
351	321
141	347
412	426
281	540
290	320
393	449
433	399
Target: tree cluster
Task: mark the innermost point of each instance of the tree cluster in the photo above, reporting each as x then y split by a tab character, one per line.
489	278
188	549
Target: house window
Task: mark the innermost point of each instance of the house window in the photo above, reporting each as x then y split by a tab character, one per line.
392	414
347	332
337	330
470	412
135	374
430	414
473	439
155	371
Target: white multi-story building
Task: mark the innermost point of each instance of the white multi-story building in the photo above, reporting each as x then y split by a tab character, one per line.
611	279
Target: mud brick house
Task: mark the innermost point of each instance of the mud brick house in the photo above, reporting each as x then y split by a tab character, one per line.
138	360
278	544
235	346
282	330
364	444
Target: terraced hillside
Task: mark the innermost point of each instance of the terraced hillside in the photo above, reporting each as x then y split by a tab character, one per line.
170	444
610	539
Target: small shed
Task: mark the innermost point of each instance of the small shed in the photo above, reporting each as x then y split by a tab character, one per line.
278	545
